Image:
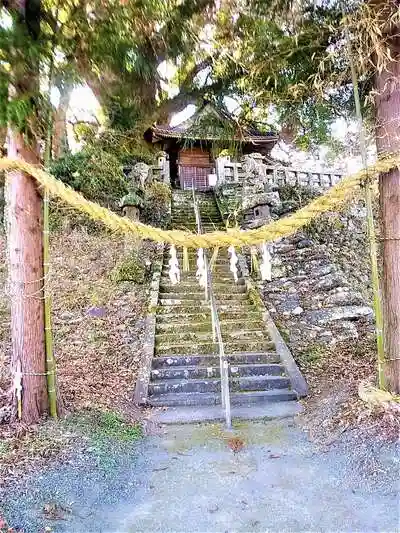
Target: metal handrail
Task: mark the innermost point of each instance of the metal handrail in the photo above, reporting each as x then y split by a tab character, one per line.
216	325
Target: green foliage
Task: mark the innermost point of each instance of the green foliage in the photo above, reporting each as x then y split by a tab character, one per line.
85	133
323	229
157	201
312	356
289	60
133	198
296	195
128	146
95	173
131	268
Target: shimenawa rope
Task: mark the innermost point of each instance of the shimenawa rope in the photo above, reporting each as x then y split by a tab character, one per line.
335	198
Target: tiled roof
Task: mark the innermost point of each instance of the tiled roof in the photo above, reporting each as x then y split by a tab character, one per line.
195	128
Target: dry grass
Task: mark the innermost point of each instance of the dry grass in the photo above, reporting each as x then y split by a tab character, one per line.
97	356
97	327
333	406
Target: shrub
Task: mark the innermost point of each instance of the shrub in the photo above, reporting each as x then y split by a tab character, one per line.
131	268
96	174
297	195
128	146
157	199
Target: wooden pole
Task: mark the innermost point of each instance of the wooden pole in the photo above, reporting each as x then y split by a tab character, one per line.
24	235
373	251
387	132
50	359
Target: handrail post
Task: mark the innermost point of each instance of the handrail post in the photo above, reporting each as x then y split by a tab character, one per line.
216	326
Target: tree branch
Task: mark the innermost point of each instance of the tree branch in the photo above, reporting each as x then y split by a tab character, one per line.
169	107
190	76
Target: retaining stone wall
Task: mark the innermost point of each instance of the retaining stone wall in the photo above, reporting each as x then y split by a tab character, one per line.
320	289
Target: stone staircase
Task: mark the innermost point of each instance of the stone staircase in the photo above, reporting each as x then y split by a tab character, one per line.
185	367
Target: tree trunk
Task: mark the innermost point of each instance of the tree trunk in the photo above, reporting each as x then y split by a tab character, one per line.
60	137
387	123
24	235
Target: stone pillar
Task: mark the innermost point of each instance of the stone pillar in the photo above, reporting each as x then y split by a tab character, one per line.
131	211
163	165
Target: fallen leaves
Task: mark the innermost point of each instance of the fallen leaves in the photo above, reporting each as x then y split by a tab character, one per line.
236	444
54	511
98	337
97	328
334	406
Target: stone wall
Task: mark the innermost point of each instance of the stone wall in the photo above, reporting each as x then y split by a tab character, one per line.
310	296
320	289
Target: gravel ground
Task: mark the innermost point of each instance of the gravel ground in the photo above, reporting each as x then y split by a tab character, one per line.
187	479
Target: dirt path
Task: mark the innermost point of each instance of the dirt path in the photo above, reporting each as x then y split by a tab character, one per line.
187	479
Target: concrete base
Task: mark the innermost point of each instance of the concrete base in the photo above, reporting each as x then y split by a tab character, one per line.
215	413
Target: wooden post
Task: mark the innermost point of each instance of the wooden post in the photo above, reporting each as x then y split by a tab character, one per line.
25	254
387	124
24	235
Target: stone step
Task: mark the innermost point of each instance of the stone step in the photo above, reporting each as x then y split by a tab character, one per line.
238	398
190	221
225	317
191	281
202	372
189	218
205	325
192	225
187	201
206	212
182	303
189	278
193	288
192	253
220	261
201	348
202	414
219	269
206	360
196	298
205	208
181	335
236	384
203	309
193	229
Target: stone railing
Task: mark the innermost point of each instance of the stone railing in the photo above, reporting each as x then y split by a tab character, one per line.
273	175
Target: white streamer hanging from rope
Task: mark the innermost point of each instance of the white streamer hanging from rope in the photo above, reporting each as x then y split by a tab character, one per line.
174	272
233	262
201	274
266	264
17	386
